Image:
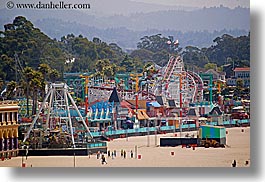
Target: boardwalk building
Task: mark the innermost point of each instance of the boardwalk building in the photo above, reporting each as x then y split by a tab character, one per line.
8	129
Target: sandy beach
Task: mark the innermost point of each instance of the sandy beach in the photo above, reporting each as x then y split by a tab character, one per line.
238	149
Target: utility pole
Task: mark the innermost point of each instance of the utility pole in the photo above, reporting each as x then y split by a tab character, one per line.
86	94
136	89
148	134
74	158
19	66
16	69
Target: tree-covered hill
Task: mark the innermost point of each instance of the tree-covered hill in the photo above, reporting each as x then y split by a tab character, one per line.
197	27
31	46
225	49
29	58
73	53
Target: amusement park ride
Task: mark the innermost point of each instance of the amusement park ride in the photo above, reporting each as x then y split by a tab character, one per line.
58	107
176	82
180	85
171	83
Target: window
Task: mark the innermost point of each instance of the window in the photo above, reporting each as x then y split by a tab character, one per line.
15	116
10	116
5	117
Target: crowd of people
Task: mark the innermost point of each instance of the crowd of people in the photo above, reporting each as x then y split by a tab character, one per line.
113	155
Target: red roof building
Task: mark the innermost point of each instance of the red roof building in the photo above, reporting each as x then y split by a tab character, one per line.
242	69
244	74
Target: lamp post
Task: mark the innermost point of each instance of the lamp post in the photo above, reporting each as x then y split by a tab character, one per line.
22	156
180	128
148	135
74	156
135	148
74	159
156	136
86	94
159	116
22	161
127	134
175	125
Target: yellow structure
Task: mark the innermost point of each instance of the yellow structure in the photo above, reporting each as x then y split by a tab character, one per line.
8	129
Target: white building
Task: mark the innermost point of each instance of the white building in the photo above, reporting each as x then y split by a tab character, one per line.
244	74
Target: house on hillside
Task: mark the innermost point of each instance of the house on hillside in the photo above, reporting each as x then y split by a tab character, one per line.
240	73
244	74
217	75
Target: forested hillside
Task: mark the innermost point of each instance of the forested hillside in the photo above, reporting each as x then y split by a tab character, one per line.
197	27
69	54
21	42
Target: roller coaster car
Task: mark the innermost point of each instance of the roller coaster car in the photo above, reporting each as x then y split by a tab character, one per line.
210	143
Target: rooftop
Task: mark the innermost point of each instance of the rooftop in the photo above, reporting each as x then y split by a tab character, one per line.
242	69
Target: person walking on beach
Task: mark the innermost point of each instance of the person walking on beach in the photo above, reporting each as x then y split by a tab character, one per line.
131	154
98	154
124	154
246	163
121	152
114	153
103	159
234	163
89	153
109	153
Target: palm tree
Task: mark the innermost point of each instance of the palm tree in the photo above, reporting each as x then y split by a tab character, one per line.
54	75
36	83
45	70
11	86
28	71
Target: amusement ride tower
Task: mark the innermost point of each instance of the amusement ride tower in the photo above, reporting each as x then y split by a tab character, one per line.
58	107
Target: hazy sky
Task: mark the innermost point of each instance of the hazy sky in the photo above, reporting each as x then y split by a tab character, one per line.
189	3
200	3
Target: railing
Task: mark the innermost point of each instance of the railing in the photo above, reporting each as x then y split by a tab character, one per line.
188	126
94	145
164	128
136	130
96	134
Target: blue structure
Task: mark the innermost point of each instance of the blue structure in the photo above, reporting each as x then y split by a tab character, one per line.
73	113
101	112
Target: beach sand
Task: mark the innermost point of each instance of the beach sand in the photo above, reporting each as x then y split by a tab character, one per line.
154	156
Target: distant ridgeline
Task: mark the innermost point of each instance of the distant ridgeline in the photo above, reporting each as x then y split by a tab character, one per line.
32	51
127	25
